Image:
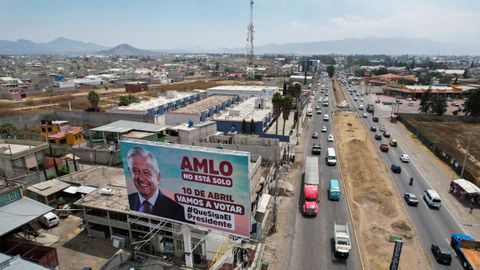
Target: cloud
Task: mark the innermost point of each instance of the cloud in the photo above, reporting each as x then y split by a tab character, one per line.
299	25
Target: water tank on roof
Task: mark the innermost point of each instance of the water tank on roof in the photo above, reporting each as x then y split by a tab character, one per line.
106	191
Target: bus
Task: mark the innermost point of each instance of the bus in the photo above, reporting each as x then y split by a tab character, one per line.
334	190
331	157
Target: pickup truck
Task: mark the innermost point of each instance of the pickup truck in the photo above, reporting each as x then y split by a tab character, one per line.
342	240
467	249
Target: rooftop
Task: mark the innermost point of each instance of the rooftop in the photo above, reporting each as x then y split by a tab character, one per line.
63	133
155	102
203	105
18	147
20	212
96	176
118	201
243	88
17	263
48	188
246	110
122	126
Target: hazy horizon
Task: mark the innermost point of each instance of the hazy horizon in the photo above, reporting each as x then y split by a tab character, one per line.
217	24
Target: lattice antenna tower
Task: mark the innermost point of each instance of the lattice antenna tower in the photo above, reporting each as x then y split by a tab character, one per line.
250	37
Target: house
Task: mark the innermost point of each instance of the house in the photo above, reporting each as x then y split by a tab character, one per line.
60	132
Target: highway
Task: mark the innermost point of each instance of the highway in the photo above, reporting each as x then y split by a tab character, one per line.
432	226
311	247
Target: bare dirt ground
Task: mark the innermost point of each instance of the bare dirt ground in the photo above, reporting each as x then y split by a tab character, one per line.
452	137
108	97
338	92
376	206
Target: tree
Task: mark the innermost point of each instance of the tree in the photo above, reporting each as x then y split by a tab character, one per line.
286	107
284	88
244	126
380	71
252	127
277	108
127	100
7	130
330	71
93	98
425	102
466	74
472	104
438	105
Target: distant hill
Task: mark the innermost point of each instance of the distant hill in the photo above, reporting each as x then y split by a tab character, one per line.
57	46
368	45
125	49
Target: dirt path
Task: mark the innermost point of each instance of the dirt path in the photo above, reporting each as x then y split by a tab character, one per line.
377	209
338	92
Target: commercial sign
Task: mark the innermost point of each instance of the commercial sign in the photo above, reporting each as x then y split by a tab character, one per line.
193	185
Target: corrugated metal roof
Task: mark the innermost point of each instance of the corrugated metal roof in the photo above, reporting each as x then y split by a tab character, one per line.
17	263
20	212
122	126
468	186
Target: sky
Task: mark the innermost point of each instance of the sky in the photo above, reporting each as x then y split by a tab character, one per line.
174	24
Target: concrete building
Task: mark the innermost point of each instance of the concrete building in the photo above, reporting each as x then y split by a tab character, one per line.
157	107
12	88
60	132
89	80
200	111
47	192
20	160
239	119
418	90
189	134
244	91
300	79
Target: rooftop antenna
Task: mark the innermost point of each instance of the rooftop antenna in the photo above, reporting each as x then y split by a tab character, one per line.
250	38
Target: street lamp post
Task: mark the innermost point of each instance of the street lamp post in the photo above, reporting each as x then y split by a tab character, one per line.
466	153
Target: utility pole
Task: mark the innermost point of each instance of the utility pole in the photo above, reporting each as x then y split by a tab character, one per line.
466	154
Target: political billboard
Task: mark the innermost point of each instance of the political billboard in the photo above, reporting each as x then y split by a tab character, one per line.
193	185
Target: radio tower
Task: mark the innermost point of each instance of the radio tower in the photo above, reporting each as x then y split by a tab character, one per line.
250	38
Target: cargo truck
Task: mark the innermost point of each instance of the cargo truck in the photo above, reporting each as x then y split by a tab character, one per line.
467	249
310	187
341	240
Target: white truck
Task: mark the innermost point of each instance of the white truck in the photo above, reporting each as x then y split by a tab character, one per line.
342	240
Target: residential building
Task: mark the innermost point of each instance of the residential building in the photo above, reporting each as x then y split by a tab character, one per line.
60	132
136	86
243	91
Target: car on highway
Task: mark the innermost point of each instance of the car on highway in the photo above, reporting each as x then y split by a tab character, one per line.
396	168
360	107
317	108
442	254
386	134
330	138
378	101
384	147
314	135
393	143
316	149
361	99
382	128
411	199
364	115
410	103
324	129
326	94
326	117
373	129
404	158
375	118
319	111
355	99
378	137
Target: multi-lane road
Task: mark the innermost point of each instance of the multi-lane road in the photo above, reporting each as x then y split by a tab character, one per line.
311	246
432	226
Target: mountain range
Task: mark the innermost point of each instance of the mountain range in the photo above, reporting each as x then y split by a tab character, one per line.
368	45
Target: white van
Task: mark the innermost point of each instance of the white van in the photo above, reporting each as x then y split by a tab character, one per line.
331	157
309	112
432	198
360	107
49	220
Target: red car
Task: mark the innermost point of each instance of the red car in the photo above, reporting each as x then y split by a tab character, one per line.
384	147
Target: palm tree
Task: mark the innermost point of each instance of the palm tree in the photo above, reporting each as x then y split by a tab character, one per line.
286	107
277	108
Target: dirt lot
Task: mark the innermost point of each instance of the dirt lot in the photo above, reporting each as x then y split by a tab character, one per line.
338	92
452	137
108	97
377	209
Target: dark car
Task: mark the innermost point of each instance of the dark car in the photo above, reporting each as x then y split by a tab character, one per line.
378	137
373	129
411	199
375	119
386	134
396	168
384	147
441	254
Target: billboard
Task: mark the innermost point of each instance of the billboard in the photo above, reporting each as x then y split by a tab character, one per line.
193	185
